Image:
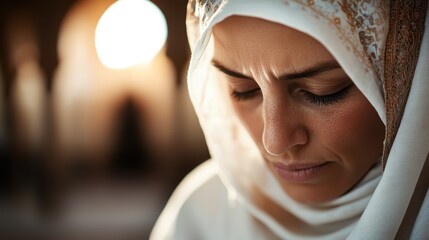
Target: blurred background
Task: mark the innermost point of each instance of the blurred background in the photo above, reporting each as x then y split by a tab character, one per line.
90	149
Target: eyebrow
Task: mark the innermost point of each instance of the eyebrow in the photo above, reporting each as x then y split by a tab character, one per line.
311	71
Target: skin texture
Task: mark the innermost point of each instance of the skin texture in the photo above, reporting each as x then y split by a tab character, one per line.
324	144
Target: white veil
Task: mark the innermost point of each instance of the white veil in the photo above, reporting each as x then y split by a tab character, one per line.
385	204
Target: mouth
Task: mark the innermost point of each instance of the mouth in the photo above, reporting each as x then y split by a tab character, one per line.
299	173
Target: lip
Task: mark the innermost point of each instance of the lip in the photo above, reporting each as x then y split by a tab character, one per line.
299	172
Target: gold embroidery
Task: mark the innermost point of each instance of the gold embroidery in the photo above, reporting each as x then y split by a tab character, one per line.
365	21
337	21
402	51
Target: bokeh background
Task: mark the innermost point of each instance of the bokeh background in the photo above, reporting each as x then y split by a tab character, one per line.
88	152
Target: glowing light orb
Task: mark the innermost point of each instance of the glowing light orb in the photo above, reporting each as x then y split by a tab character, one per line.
130	32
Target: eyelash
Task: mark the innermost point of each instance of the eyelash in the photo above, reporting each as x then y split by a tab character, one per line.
310	97
243	96
327	99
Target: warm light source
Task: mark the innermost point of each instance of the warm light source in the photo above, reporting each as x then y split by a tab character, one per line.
130	32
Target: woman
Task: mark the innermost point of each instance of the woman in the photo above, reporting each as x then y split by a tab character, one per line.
314	113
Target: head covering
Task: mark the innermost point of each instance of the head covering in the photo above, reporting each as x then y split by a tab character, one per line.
384	48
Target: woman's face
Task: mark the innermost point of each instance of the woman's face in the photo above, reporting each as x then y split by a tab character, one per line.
316	131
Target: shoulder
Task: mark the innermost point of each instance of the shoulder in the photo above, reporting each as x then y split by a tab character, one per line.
198	202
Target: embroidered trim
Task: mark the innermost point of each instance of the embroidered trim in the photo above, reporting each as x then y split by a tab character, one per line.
403	42
199	14
363	22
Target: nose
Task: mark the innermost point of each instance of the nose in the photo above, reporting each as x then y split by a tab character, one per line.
284	128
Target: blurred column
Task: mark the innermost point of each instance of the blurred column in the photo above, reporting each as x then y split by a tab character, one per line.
28	109
3	135
4	142
81	94
28	89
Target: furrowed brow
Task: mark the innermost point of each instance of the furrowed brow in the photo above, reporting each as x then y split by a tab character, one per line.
228	71
311	71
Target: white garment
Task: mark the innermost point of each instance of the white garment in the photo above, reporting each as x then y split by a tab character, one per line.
217	200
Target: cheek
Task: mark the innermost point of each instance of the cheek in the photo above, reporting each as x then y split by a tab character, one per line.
355	131
352	131
252	120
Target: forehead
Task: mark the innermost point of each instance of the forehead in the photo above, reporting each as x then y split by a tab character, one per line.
237	26
242	39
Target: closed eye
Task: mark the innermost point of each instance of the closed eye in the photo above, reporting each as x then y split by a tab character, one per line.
247	95
327	99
